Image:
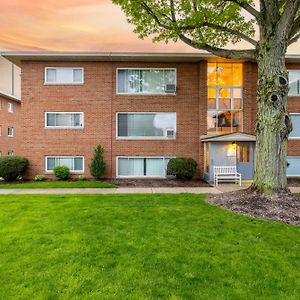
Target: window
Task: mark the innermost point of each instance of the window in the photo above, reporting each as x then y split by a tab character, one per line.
10	152
142	166
10	107
74	163
64	120
294	81
293	168
145	81
243	154
10	131
146	125
64	75
225	100
295	134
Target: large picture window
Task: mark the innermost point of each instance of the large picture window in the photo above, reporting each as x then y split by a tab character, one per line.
225	97
145	81
74	163
63	75
294	80
64	120
146	125
142	166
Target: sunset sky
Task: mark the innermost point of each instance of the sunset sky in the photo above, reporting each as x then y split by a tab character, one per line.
74	25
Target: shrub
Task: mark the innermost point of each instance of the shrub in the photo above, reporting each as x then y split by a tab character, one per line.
182	167
97	166
61	172
39	178
12	167
81	178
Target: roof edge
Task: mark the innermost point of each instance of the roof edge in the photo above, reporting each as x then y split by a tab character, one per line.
10	97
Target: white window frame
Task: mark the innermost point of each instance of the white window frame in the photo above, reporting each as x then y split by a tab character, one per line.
12	132
143	157
145	94
294	137
64	127
63	83
65	156
10	107
293	70
146	137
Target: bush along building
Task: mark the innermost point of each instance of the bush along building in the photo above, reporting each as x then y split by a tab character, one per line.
143	108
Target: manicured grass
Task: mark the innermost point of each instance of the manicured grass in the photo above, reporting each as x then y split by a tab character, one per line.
57	184
141	247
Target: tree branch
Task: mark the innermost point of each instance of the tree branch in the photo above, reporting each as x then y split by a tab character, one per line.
246	6
294	39
191	27
232	54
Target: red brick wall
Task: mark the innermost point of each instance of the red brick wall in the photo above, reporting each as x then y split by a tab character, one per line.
98	100
9	120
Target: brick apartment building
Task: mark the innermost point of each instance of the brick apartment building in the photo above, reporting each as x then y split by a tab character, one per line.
142	108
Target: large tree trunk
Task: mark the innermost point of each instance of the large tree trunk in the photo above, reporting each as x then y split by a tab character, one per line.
273	123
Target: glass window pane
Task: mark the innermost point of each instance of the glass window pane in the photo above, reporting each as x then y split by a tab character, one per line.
65	75
135	167
66	161
224	74
224	121
237	70
145	125
155	167
212	102
237	98
224	98
211	74
296	126
294	82
78	164
50	163
77	75
50	119
152	81
170	76
212	117
51	75
243	154
64	120
76	120
132	81
237	119
293	168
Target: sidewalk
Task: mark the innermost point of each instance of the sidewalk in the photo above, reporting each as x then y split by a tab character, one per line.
130	190
222	188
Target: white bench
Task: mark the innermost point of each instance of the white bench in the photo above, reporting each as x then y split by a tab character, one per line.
227	173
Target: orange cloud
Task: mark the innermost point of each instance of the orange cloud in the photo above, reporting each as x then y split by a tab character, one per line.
74	25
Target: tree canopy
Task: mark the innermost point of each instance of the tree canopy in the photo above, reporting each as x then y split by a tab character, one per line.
212	24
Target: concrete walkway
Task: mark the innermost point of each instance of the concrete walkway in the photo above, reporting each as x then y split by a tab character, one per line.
222	188
130	190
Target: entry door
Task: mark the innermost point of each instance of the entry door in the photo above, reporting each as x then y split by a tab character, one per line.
245	159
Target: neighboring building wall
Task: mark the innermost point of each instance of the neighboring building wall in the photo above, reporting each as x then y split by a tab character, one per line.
8	119
10	80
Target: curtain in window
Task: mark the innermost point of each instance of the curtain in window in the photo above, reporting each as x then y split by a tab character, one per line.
155	167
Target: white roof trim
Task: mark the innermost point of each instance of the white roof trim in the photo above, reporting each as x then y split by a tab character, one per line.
10	97
230	137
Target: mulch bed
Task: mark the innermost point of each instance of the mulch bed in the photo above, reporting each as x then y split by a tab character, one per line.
144	182
284	207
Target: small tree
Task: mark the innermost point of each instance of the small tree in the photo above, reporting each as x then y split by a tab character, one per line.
97	166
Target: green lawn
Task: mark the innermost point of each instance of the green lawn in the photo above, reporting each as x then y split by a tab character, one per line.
141	247
57	184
